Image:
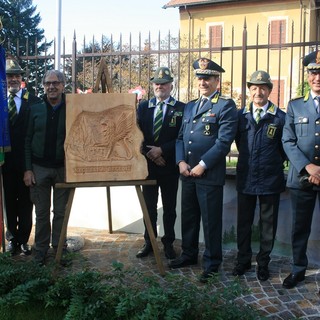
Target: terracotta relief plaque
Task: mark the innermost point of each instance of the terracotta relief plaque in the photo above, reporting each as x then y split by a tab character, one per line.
102	138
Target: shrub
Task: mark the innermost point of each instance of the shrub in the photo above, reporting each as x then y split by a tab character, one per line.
33	292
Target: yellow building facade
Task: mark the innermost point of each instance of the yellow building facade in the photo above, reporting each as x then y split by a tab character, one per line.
244	36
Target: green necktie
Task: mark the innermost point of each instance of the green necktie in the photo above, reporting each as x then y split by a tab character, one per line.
158	122
258	114
12	109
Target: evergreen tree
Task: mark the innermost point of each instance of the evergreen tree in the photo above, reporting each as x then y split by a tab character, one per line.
22	37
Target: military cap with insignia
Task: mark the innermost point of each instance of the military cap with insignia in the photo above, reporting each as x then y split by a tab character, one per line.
204	67
312	60
162	75
260	77
13	67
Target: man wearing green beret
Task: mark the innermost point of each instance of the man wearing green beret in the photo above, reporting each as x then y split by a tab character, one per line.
260	173
160	120
17	196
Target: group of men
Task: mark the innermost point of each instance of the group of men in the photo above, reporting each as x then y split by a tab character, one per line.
188	140
265	137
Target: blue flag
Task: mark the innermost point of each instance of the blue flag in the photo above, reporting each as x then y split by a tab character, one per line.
4	123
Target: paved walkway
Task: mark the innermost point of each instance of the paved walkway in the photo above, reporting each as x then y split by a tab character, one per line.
303	302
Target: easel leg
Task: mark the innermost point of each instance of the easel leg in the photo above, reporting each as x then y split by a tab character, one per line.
65	225
150	230
109	210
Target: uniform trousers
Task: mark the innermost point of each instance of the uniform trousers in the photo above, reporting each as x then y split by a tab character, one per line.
168	184
18	205
201	201
268	221
303	203
41	192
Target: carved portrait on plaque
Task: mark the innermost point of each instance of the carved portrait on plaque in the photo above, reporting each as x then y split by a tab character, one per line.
102	138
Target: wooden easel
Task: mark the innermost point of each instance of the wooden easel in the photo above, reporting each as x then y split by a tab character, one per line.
103	76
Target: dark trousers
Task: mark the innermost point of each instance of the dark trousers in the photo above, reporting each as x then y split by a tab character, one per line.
268	214
18	206
199	201
40	193
168	185
303	203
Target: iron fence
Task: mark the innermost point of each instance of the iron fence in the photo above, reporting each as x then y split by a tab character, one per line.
130	65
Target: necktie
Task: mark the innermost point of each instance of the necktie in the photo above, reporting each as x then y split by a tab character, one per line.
202	103
158	122
317	104
12	109
258	114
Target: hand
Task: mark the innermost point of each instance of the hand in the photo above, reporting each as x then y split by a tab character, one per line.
154	152
197	171
314	172
29	179
184	169
160	162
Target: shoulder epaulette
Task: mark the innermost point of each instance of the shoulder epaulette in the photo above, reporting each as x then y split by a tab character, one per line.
296	98
225	97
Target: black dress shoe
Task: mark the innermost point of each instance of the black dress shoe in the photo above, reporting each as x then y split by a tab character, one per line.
169	252
263	273
293	279
181	262
144	251
12	247
241	269
208	275
25	249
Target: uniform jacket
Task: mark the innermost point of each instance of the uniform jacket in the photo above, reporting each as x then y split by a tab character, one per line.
168	134
207	135
301	137
37	149
261	155
15	158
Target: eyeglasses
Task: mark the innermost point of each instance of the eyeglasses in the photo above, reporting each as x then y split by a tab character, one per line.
54	83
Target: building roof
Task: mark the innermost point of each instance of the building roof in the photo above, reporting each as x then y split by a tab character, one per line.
182	3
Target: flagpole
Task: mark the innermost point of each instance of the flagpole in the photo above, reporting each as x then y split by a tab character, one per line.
1	214
58	44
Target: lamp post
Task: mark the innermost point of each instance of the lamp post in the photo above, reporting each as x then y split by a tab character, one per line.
58	39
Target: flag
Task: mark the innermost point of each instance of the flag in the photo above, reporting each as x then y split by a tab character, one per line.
4	131
4	123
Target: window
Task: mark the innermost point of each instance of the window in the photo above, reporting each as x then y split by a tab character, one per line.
278	30
215	36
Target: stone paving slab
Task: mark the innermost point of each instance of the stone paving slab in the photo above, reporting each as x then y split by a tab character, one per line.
274	302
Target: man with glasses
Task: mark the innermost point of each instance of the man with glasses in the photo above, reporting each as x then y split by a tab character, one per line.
159	120
17	196
301	142
44	157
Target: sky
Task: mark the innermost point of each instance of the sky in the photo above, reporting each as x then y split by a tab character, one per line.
88	18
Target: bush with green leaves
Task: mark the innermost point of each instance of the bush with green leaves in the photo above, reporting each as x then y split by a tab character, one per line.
32	292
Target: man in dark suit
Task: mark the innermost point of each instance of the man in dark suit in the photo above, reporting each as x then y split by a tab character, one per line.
17	197
301	142
208	129
259	173
159	120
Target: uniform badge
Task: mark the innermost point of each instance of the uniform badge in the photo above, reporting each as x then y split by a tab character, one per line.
173	122
206	131
271	131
